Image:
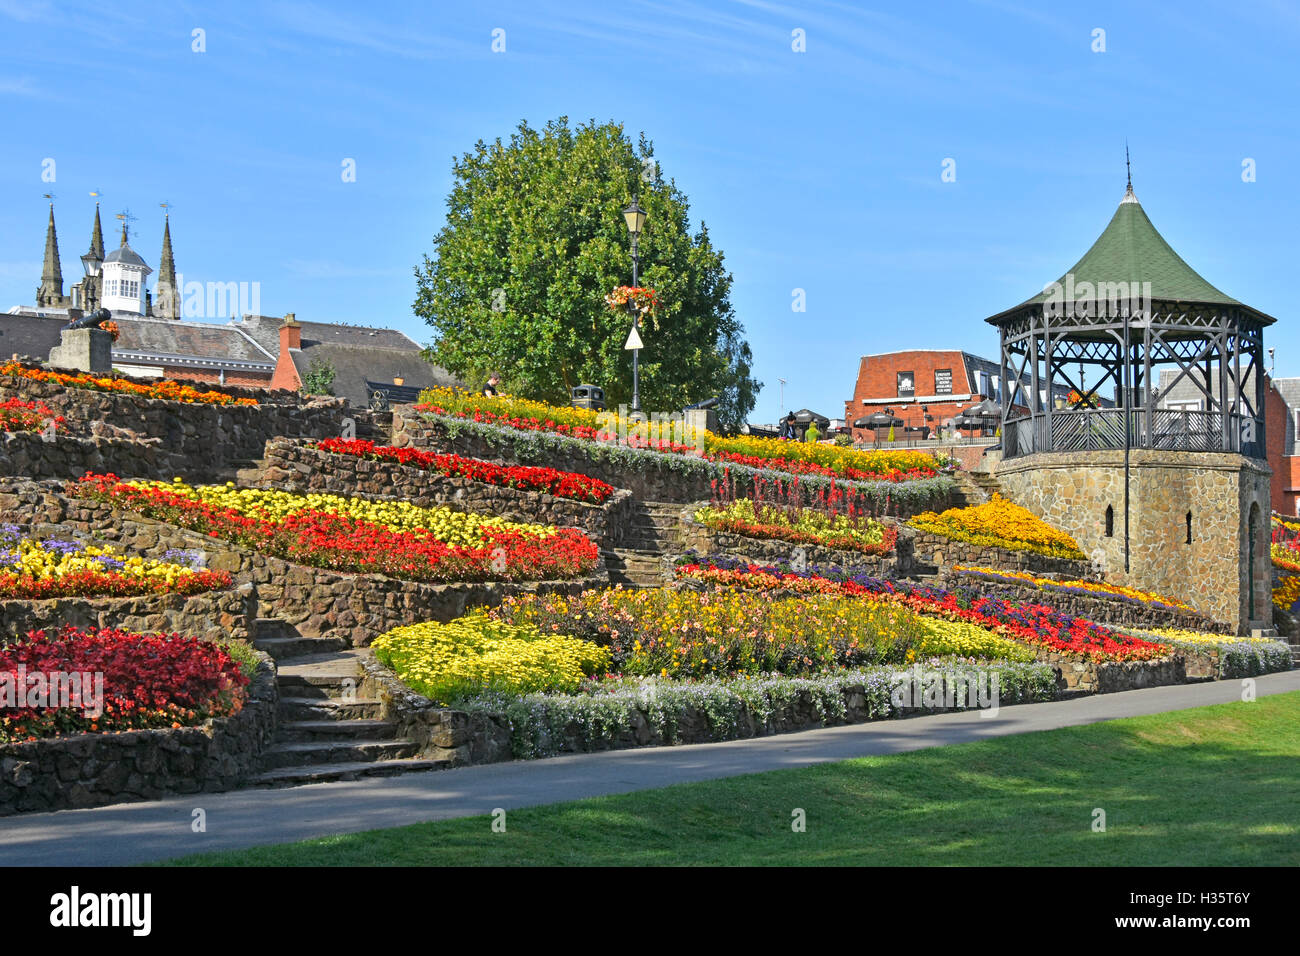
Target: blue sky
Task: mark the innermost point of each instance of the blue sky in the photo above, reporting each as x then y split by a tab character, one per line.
818	170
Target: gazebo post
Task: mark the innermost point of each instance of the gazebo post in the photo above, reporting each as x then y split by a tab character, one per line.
1033	386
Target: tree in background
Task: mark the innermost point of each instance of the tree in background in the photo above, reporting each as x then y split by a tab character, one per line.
319	379
534	241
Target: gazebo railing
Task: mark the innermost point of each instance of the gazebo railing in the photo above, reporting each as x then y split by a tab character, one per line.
1096	429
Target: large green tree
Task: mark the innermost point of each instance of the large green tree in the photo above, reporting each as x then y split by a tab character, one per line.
534	241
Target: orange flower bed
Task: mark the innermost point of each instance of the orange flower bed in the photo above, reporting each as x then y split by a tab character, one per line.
167	390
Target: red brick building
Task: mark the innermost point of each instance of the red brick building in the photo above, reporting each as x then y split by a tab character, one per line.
1282	429
926	388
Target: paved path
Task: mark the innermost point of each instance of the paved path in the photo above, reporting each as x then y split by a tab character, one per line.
137	832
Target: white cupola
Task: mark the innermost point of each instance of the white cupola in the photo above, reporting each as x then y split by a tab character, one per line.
124	274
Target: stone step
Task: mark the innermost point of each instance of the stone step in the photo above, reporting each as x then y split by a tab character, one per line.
288	649
656	521
359	728
326	773
321	675
304	753
319	709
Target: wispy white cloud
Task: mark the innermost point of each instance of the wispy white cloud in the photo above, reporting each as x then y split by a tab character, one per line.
380	33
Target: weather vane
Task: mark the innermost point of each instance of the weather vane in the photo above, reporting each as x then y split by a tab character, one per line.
49	196
125	217
98	194
166	208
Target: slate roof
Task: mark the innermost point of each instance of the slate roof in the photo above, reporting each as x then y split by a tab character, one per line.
125	254
168	337
1130	249
355	365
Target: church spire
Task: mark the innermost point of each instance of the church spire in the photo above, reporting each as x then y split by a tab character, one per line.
50	294
97	237
167	305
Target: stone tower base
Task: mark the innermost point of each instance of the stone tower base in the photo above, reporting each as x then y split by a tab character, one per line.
1220	501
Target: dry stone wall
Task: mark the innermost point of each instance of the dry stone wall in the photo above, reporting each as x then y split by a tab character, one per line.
1113	611
91	770
299	466
705	540
212	615
142	437
936	550
316	601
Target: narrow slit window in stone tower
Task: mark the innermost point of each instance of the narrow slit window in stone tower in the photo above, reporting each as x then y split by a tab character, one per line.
1110	521
1189	527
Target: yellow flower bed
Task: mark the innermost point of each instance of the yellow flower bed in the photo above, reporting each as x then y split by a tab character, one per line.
829	456
32	559
1287	592
999	524
451	527
1094	587
475	653
943	637
1200	637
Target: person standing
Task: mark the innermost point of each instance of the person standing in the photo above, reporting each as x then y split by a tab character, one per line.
787	428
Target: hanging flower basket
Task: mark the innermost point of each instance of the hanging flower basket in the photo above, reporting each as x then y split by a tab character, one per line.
1077	400
643	300
112	329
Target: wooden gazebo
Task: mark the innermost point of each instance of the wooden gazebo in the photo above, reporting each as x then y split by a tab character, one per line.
1128	308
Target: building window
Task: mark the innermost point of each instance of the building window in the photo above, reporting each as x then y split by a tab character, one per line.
943	381
1110	522
1189	527
906	384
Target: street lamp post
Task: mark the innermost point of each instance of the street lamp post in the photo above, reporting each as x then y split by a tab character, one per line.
634	215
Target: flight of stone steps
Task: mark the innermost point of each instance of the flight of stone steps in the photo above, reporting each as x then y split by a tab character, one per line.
326	731
974	488
639	559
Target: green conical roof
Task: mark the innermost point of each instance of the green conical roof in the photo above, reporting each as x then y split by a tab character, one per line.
1131	250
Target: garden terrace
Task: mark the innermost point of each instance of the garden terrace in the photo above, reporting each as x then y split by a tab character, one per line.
302	466
88	770
1084	599
313	601
539	725
212	616
696	536
649	475
136	436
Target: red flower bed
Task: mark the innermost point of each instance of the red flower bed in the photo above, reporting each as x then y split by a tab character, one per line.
155	680
562	484
17	415
105	584
343	543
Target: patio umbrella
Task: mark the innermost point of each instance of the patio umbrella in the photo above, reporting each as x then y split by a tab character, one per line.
877	420
805	416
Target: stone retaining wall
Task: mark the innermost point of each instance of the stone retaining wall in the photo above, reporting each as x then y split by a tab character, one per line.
213	615
316	601
1079	673
90	770
1113	611
299	466
175	438
698	537
673	478
939	551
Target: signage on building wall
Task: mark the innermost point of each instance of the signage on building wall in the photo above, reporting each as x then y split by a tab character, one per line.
906	384
943	381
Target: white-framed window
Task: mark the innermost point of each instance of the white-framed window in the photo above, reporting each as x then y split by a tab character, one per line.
1185	406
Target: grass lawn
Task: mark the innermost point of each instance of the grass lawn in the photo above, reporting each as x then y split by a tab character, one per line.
1208	786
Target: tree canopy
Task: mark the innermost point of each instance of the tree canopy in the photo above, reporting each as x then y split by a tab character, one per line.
534	241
